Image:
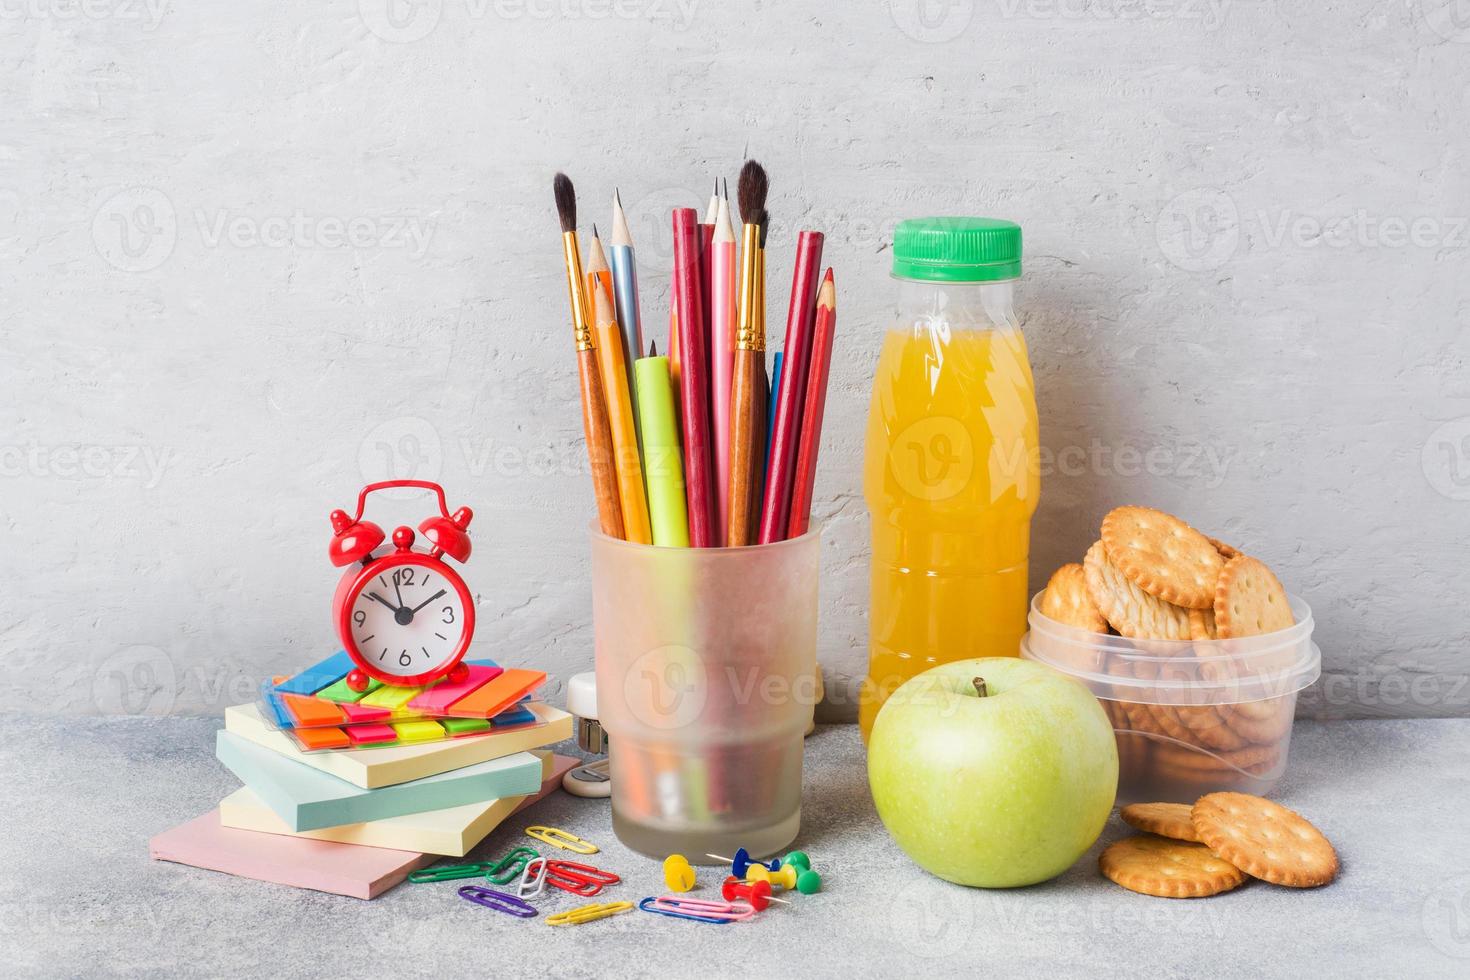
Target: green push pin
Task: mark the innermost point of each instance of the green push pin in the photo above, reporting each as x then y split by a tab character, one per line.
808	882
798	860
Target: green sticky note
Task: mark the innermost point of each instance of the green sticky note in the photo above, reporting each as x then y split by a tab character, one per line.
463	726
342	694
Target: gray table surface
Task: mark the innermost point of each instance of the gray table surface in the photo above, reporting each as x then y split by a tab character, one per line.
81	897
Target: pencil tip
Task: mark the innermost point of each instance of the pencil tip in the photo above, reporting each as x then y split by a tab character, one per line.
594	230
726	184
653	348
828	276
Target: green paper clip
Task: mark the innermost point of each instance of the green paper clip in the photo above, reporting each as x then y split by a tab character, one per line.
510	866
448	872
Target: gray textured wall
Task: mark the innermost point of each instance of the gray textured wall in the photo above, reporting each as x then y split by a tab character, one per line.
253	254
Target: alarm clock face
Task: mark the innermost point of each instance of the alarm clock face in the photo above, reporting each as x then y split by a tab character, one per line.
409	617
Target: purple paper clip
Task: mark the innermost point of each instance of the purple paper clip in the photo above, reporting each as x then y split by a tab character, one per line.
499	901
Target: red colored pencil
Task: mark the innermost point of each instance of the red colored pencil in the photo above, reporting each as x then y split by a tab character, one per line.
693	381
816	404
791	398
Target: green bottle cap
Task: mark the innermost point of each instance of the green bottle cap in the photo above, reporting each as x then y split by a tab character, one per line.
957	249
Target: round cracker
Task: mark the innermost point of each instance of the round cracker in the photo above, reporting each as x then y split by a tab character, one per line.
1165	556
1167	868
1249	600
1067	600
1265	839
1129	609
1165	819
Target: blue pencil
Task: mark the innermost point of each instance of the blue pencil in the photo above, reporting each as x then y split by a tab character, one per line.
771	408
625	296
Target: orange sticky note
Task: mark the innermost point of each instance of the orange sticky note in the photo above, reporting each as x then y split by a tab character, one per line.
321	738
496	695
310	712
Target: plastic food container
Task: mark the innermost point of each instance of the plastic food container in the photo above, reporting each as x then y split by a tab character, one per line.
1191	716
706	664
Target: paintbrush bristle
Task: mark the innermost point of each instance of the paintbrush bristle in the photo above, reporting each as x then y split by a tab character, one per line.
763	221
566	202
751	190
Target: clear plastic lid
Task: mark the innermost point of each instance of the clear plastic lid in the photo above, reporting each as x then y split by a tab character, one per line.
1250	668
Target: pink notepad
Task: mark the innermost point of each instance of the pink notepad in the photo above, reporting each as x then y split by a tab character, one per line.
326	866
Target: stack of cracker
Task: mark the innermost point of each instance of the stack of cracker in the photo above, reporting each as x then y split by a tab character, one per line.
1215	845
1151	576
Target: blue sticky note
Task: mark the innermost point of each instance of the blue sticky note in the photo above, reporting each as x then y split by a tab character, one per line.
278	711
324	674
309	799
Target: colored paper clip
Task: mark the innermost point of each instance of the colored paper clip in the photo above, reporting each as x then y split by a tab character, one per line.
561	839
696	910
448	872
504	871
588	913
499	901
579	879
533	879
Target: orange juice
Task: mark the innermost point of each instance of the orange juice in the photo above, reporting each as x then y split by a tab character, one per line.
951	477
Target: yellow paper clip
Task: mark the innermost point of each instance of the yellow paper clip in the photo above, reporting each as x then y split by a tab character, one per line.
587	913
561	839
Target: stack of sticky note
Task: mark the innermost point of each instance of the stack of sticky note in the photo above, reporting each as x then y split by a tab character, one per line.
320	711
356	821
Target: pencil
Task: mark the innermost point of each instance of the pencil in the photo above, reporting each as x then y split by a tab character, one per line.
722	352
791	395
810	440
598	273
693	380
614	373
625	289
668	512
595	423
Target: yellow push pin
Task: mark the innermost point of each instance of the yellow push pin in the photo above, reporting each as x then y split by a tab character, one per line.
678	874
786	877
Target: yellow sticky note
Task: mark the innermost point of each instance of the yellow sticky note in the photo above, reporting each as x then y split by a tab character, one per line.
391	697
418	731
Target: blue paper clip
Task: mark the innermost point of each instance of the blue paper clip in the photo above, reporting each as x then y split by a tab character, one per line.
646	905
499	901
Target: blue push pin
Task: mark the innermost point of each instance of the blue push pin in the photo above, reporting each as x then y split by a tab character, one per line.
741	862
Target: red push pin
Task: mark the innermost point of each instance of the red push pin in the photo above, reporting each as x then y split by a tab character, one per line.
756	893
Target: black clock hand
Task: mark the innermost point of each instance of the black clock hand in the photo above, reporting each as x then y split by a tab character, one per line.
374	595
429	600
398	592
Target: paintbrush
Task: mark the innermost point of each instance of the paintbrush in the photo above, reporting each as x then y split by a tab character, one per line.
747	398
594	406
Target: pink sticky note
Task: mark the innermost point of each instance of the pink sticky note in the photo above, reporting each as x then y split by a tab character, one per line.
441	696
359	713
326	866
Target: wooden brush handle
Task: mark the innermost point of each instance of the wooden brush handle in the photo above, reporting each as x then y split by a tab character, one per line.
743	448
599	446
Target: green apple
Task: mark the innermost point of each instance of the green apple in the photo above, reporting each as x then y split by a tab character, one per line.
994	773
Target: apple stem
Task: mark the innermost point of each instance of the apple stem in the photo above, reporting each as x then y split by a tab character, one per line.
980	690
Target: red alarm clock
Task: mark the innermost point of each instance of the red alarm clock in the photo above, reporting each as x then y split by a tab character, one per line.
405	617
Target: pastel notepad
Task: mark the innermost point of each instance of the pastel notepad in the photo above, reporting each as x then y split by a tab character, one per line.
307	798
453	832
371	768
326	866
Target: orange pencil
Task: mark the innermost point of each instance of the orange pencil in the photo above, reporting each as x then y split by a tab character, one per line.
595	423
614	373
598	271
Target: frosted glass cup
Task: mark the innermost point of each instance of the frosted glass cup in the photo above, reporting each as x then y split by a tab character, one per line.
706	661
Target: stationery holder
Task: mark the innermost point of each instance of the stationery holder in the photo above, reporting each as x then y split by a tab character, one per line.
706	678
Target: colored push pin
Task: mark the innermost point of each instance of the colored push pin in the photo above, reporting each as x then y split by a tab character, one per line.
756	893
808	882
741	862
799	860
678	875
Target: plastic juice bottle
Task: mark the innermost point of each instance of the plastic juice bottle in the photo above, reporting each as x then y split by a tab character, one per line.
952	472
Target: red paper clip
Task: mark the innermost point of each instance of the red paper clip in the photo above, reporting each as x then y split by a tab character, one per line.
579	879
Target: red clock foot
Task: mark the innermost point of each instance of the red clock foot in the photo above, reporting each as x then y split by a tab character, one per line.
357	680
458	674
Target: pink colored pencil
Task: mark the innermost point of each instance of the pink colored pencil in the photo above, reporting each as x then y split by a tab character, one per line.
722	353
816	403
791	398
693	380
